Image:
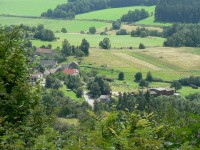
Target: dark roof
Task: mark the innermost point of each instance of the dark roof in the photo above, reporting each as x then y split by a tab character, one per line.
48	62
44	51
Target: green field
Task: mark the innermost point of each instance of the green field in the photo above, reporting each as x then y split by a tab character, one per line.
55	25
116	41
27	7
150	22
170	67
113	13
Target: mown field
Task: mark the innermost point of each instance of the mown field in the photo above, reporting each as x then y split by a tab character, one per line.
55	25
116	41
170	67
27	7
112	13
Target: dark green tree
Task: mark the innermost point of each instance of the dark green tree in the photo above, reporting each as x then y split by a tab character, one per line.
176	85
138	76
121	76
85	45
142	46
143	83
105	44
116	25
149	77
66	48
64	30
92	30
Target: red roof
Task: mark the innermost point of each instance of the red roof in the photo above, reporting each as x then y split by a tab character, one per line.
71	71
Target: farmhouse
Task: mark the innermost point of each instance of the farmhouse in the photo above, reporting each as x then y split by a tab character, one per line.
104	98
72	65
71	71
161	91
36	77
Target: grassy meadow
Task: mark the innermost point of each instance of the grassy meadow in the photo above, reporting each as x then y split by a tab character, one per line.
170	67
112	13
54	25
27	7
116	41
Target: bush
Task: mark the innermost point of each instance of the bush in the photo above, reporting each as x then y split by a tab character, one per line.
64	30
142	46
92	30
105	44
121	76
122	32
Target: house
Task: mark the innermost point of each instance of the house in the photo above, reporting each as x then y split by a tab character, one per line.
72	65
161	91
50	71
49	63
71	71
104	98
44	51
36	77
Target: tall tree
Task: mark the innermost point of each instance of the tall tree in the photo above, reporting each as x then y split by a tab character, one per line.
85	45
66	48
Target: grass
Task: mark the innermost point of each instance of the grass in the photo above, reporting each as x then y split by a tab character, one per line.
64	121
186	90
55	25
150	22
112	13
27	7
116	41
70	94
132	61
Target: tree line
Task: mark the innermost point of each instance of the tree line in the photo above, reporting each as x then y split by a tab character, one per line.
178	11
74	7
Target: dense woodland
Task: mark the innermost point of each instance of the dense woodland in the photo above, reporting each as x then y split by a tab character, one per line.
182	35
29	114
74	7
178	11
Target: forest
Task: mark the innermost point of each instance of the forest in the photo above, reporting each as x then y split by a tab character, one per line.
178	11
74	7
29	114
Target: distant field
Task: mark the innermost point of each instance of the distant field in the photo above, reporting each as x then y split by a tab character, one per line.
167	68
150	22
116	41
55	25
113	13
27	7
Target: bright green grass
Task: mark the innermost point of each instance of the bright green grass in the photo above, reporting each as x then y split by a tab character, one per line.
150	22
113	13
27	7
196	51
186	90
116	41
70	94
64	121
55	25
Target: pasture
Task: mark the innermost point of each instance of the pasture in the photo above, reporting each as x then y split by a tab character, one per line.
54	25
112	13
170	67
116	41
27	7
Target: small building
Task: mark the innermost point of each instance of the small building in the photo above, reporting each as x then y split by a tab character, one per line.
49	63
36	77
108	79
71	71
44	51
50	71
161	91
104	98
